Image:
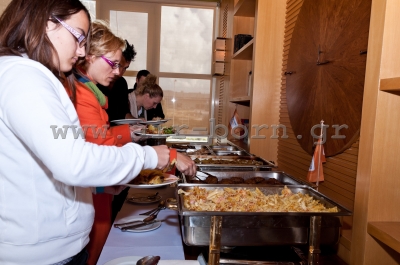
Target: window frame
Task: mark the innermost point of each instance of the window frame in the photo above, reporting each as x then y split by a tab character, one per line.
153	8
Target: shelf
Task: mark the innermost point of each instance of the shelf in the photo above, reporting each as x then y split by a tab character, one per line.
245	53
386	232
245	8
390	84
245	101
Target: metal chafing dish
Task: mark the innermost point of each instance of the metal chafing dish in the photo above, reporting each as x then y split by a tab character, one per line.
280	176
232	163
259	228
185	147
231	153
224	148
214	150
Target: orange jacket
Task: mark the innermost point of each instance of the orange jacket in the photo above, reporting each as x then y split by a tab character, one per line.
93	116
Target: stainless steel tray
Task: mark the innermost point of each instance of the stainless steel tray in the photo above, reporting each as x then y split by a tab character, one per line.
201	151
224	148
184	147
230	164
281	176
259	228
266	189
231	153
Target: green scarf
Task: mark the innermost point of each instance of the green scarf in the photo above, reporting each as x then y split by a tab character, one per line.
92	86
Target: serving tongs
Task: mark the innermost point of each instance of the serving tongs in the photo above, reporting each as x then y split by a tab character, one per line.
161	206
205	173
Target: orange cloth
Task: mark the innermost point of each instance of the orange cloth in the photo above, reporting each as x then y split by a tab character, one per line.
91	113
172	156
316	164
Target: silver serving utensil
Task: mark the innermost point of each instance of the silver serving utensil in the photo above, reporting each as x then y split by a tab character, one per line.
148	260
161	204
126	228
128	224
154	215
201	180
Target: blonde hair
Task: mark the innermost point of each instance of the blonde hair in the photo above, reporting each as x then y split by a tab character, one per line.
102	40
149	86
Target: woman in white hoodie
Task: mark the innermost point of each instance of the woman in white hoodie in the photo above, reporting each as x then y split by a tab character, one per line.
46	166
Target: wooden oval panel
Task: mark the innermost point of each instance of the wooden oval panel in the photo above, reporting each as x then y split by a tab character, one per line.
328	58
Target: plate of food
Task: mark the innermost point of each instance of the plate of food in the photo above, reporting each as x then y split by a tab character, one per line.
154	122
152	178
127	121
156	131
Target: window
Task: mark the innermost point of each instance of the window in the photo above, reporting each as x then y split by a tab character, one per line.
91	6
174	43
186	101
186	40
132	26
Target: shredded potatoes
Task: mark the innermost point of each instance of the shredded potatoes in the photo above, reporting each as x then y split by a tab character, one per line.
246	200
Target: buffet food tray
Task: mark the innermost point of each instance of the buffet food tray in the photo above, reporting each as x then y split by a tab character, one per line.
280	176
267	190
259	228
231	163
213	150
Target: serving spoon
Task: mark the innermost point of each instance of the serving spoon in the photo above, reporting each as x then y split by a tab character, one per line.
148	260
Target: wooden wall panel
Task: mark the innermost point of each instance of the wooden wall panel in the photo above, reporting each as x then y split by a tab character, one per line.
340	171
3	5
222	92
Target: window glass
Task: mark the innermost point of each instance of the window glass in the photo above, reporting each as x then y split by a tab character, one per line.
132	26
186	102
131	80
91	7
186	40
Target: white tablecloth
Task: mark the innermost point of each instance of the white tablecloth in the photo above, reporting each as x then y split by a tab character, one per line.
165	241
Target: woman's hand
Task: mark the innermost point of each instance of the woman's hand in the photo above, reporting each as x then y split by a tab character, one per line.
114	190
185	165
163	156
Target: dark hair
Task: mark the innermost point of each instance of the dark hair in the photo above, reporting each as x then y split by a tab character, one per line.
23	30
139	75
150	87
129	53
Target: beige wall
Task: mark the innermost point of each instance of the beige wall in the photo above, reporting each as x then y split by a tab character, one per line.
3	5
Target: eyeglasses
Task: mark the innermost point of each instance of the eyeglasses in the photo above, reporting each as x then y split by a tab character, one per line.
111	63
79	37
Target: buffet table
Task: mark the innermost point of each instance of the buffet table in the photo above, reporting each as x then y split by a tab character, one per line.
164	241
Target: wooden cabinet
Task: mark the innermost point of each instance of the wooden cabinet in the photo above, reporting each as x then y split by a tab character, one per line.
376	225
255	71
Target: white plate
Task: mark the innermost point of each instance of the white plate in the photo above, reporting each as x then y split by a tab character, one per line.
153	135
168	179
142	198
127	121
154	122
131	260
141	229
